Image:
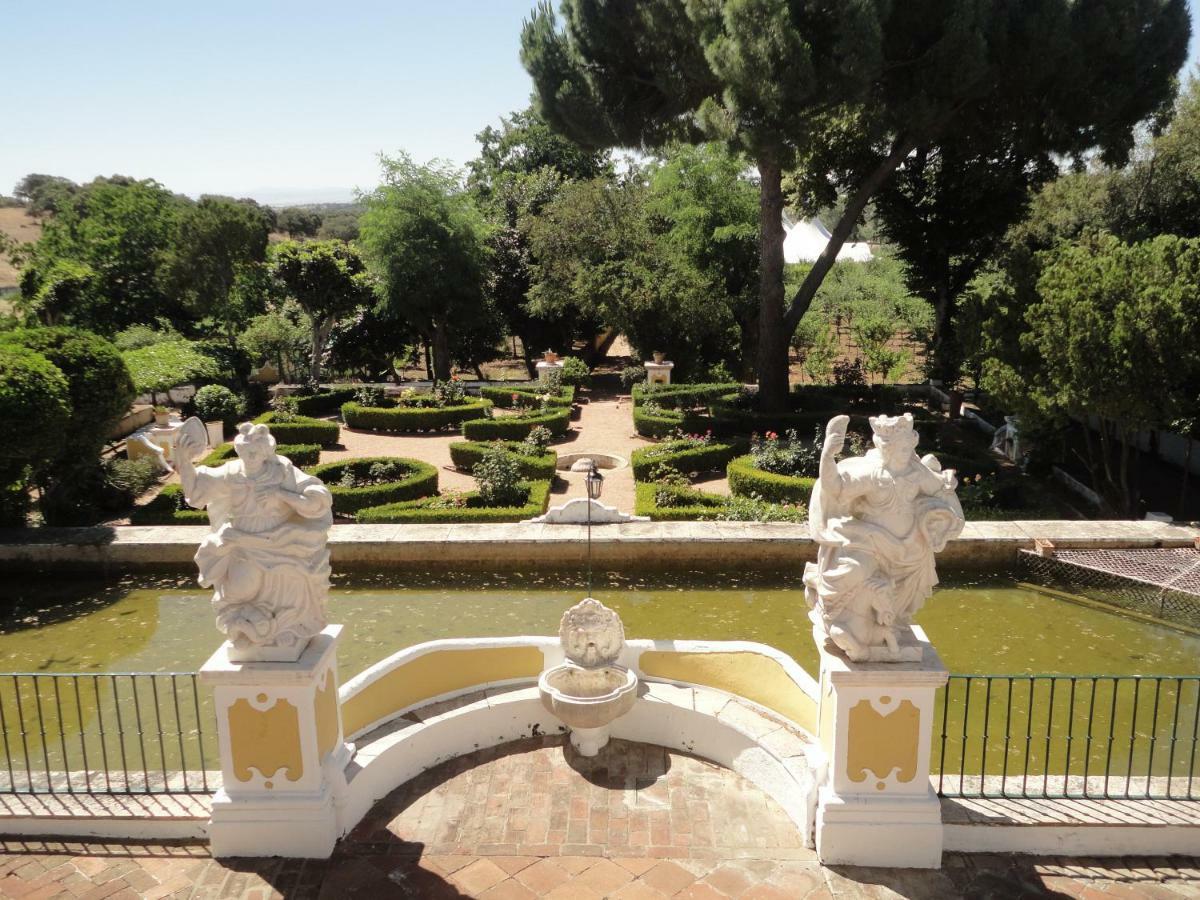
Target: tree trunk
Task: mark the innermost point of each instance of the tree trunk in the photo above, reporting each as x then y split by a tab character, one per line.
428	359
1187	472
441	351
320	334
945	355
841	232
772	333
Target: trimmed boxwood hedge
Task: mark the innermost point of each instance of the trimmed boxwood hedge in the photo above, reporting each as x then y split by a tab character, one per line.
679	456
746	479
168	508
419	511
421	481
503	396
303	430
517	428
412	418
670	398
300	454
324	404
694	505
466	453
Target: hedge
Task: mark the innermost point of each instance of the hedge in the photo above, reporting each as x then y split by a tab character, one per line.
324	404
300	454
419	511
421	481
302	430
671	418
695	505
164	509
503	396
685	458
466	453
674	395
746	479
412	418
517	428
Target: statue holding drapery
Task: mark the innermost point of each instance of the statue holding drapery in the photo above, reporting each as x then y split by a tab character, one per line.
267	558
878	520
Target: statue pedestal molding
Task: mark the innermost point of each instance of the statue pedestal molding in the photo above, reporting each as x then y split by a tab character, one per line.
876	725
283	758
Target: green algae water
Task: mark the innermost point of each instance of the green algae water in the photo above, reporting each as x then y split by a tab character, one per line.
141	624
165	624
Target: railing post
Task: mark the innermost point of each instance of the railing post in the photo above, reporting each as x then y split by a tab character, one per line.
283	759
877	806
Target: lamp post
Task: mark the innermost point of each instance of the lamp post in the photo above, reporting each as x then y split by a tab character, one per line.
594	482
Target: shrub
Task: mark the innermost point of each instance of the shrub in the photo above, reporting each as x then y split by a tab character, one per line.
369	395
672	503
575	372
216	403
300	454
686	455
405	418
168	508
533	466
35	401
98	381
527	397
461	508
756	509
631	375
160	367
538	440
324	403
747	480
301	430
517	428
286	408
789	455
124	480
499	474
450	393
374	481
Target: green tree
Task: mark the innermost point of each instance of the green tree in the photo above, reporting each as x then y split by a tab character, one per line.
122	230
45	194
216	242
710	211
279	336
298	222
1111	336
328	280
848	91
157	368
426	241
34	392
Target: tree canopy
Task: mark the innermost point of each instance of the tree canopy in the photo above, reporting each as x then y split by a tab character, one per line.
848	92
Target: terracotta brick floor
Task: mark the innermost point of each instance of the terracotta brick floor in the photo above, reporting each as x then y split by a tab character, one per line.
532	820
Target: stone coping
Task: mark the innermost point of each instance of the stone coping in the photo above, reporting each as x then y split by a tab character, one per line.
519	545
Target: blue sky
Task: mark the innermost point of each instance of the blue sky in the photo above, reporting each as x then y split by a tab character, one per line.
285	102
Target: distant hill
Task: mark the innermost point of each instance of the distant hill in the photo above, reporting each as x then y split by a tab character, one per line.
21	227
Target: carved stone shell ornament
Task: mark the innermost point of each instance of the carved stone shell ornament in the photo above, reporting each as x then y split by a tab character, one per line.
591	634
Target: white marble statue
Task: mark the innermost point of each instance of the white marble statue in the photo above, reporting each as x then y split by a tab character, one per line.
267	557
878	520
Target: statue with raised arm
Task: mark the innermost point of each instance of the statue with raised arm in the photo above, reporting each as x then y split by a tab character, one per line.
267	557
878	520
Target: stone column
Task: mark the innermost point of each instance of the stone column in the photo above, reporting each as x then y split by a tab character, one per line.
283	759
877	807
658	372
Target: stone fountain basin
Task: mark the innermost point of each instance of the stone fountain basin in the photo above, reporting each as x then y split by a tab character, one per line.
588	698
603	460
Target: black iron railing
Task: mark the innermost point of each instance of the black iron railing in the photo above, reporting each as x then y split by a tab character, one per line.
1068	736
111	733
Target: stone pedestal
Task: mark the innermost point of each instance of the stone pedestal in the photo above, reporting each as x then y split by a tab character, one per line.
877	807
283	758
658	372
545	368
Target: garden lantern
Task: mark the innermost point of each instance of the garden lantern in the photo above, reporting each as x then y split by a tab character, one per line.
595	483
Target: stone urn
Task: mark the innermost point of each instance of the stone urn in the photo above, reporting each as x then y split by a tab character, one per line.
659	356
550	356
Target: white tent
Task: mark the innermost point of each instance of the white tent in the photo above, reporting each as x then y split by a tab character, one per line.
806	239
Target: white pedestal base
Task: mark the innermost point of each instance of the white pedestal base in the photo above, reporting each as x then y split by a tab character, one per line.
899	832
295	827
589	741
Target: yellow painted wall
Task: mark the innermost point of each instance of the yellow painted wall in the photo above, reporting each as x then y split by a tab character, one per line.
883	744
751	675
325	713
436	673
267	740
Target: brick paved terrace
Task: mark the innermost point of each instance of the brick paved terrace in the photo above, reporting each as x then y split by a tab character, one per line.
533	819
